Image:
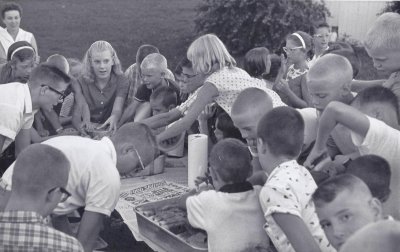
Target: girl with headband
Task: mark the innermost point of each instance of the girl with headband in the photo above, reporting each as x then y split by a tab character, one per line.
291	81
20	62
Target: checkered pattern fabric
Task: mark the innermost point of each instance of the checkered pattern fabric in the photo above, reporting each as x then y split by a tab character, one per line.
22	231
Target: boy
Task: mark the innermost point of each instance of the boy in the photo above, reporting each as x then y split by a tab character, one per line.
40	176
162	100
291	221
371	119
153	73
382	44
234	220
330	80
94	177
344	204
19	102
375	172
382	236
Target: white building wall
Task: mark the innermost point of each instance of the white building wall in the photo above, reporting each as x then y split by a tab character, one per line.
353	17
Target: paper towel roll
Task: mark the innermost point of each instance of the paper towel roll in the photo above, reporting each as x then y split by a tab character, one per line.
197	157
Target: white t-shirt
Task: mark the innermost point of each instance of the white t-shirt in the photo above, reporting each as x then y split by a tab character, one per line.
15	110
384	141
233	221
93	181
288	190
230	81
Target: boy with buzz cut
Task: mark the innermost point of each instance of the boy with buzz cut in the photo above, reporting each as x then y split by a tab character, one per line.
162	100
372	120
375	172
153	74
231	214
291	221
382	236
344	204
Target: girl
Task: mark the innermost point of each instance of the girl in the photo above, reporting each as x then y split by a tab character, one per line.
321	36
103	86
11	15
291	82
224	81
257	62
20	62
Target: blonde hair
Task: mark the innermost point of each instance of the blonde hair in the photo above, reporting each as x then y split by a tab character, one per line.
384	33
206	51
155	60
99	46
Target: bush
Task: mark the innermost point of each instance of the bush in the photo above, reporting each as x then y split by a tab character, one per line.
244	24
392	7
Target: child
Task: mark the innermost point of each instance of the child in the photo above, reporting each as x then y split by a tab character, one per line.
330	80
132	73
224	81
291	82
231	215
382	236
369	134
375	172
162	100
257	63
103	86
321	34
20	62
344	204
291	221
153	75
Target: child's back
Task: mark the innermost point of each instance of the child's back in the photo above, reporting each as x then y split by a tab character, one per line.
231	215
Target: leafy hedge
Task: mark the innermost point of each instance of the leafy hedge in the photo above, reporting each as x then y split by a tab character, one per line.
244	24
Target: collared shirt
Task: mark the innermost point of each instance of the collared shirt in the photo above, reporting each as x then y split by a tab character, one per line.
101	101
15	110
27	231
93	180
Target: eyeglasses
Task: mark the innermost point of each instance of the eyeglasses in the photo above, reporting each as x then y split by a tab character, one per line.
287	49
64	193
62	94
140	159
188	76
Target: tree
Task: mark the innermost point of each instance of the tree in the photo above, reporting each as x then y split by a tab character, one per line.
244	24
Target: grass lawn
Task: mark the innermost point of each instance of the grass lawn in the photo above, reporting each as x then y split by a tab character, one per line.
69	27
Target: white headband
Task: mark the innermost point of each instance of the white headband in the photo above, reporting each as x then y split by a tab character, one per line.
19	49
301	39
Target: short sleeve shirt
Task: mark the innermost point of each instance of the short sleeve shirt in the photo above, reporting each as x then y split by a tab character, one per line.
288	190
143	93
230	81
15	110
384	141
93	180
101	101
393	83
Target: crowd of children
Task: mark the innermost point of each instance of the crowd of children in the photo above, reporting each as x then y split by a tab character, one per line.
304	158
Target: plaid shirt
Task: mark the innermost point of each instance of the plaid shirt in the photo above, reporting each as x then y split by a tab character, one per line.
27	231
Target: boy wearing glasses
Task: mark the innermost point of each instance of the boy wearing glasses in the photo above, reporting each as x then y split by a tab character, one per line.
40	175
94	177
321	36
19	102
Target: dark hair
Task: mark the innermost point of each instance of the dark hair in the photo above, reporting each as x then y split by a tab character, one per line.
314	28
380	95
48	75
282	129
225	124
375	172
305	36
143	51
231	159
182	63
275	66
10	7
166	95
256	60
328	190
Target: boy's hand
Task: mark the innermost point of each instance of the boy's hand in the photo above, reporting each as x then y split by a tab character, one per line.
315	157
43	133
282	86
207	113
